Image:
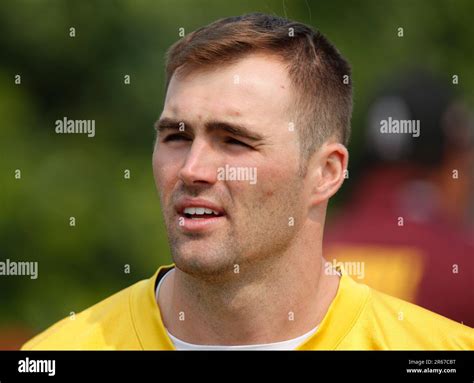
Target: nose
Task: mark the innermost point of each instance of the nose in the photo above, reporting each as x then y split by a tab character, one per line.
199	166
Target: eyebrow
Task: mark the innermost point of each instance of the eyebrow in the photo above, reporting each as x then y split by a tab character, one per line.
234	129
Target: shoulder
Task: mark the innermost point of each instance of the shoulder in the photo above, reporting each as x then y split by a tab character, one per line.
106	325
396	324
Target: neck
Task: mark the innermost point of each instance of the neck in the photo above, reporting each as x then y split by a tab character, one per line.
280	298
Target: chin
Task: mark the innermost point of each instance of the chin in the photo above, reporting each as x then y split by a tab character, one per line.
202	262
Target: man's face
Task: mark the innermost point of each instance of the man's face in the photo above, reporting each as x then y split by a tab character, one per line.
201	159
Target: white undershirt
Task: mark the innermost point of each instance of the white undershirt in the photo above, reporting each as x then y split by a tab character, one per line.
285	345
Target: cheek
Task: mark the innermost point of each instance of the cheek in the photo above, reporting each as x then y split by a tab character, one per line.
271	187
272	182
269	193
157	166
279	194
164	172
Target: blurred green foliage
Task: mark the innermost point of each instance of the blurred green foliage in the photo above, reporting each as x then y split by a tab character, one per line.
118	220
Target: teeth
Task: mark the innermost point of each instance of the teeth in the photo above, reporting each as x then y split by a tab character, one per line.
190	210
199	211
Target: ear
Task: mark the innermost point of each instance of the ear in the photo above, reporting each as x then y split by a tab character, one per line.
326	171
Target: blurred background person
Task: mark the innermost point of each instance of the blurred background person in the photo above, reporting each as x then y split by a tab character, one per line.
408	223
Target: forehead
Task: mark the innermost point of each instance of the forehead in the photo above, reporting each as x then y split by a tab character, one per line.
255	89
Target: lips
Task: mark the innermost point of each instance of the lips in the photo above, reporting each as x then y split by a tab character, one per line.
199	215
198	207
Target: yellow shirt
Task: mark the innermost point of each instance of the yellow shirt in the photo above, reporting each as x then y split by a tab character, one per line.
359	318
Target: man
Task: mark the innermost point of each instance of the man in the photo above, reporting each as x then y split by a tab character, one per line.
251	145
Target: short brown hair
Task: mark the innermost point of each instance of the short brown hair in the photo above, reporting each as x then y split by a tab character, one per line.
319	73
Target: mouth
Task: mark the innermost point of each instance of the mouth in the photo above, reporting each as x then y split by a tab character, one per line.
198	215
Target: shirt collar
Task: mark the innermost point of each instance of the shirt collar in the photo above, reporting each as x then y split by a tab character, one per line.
341	316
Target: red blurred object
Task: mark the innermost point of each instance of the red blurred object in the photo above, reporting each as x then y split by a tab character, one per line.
428	260
12	338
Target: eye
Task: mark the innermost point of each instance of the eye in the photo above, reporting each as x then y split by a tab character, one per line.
233	141
175	137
